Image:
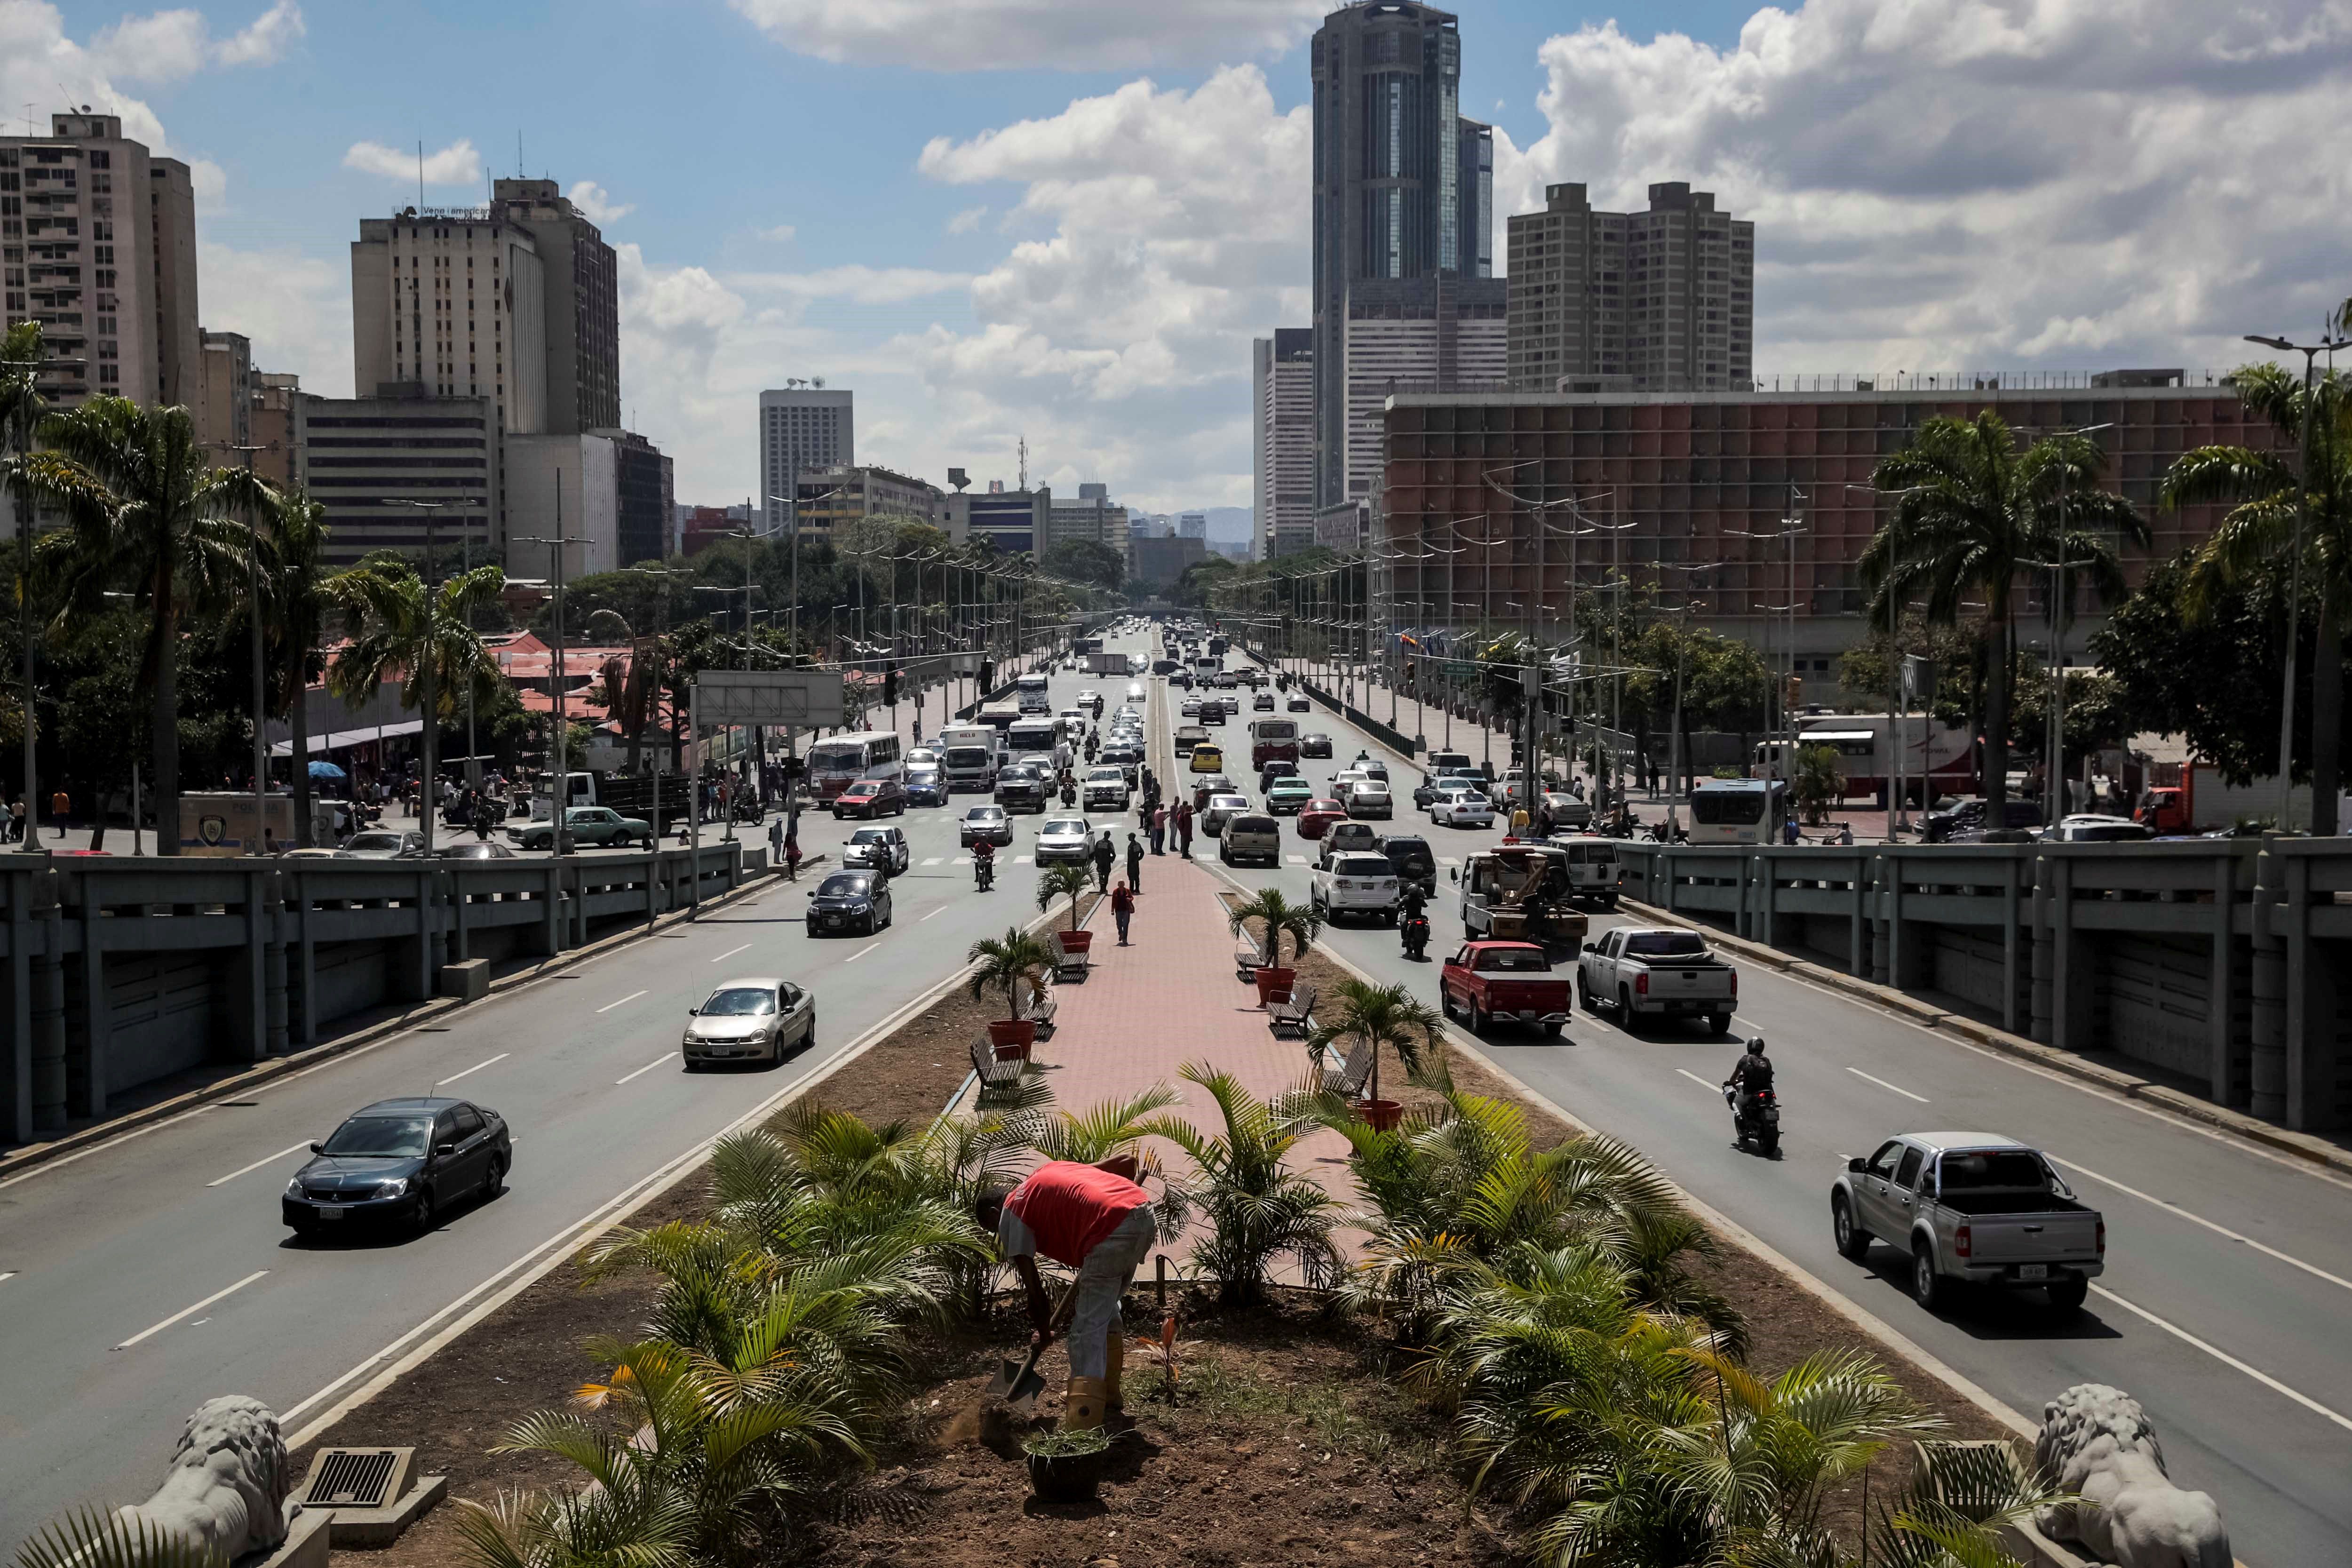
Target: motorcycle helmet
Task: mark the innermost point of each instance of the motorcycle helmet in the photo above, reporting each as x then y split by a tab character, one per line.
1756	1046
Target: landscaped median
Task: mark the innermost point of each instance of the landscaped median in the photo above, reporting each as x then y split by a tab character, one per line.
1535	1341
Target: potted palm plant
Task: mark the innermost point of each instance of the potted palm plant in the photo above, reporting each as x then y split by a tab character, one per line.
1277	916
1010	962
1379	1015
1064	881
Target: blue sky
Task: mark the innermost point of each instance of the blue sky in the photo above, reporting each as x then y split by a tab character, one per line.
906	197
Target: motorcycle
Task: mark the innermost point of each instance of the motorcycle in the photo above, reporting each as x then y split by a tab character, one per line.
1415	931
1756	1120
983	871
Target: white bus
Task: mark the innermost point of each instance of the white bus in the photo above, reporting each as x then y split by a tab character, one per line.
1937	758
836	763
1738	811
1030	696
1038	732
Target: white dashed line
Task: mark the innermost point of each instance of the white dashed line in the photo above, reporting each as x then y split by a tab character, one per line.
475	1069
732	952
2199	1219
191	1311
2225	1358
870	946
622	1003
241	1170
649	1067
940	911
1885	1085
1710	1088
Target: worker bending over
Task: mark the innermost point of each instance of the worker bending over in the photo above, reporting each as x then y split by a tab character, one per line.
1095	1219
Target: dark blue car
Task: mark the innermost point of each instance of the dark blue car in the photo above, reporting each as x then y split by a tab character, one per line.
402	1161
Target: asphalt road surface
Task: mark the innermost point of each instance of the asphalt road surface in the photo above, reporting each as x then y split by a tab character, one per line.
2228	1279
151	1273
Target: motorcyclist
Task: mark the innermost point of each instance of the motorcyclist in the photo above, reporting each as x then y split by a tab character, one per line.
1751	1075
1093	746
1069	790
983	865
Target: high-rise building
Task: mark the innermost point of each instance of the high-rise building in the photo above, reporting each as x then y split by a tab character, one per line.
97	244
1393	224
1656	302
451	302
1015	521
1282	448
1395	352
646	504
800	427
1091	516
1192	525
222	411
581	295
366	459
1476	181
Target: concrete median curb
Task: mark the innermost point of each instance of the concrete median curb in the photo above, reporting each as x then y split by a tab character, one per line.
1926	1015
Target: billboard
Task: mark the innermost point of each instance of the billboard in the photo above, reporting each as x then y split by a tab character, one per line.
795	697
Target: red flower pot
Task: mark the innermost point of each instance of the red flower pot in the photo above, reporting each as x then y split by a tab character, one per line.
1274	982
1077	940
1383	1114
1012	1038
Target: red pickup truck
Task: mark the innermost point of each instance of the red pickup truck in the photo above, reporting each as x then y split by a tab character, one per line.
1489	980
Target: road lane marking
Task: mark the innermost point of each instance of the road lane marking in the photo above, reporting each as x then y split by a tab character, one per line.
475	1069
644	1069
1021	859
2199	1219
1710	1088
1298	860
622	1003
2226	1359
1884	1084
732	952
241	1170
191	1311
870	946
933	860
11	1274
940	911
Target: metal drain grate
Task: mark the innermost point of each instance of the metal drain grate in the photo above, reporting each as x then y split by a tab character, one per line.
355	1478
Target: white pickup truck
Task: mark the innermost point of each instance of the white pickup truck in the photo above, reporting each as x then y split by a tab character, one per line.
1971	1207
1657	971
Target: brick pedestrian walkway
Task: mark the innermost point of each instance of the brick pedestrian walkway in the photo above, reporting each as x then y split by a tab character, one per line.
1145	1011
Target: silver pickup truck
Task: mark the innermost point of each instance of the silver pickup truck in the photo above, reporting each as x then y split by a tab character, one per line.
1971	1207
1657	971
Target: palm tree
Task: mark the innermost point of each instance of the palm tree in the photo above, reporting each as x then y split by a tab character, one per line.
1971	513
1062	880
1114	1127
157	517
1258	1208
1278	917
297	577
1377	1015
1009	962
2275	499
28	475
422	637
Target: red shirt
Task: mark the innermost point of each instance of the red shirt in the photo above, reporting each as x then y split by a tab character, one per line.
1070	1207
1122	901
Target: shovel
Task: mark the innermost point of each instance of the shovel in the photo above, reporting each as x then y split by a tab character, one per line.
1021	1385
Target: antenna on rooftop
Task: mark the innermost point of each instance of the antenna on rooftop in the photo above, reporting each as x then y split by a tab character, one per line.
1024	462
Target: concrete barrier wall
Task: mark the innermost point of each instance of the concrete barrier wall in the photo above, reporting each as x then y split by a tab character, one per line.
116	972
2215	960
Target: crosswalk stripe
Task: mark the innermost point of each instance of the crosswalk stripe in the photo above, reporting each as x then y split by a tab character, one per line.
963	859
1021	859
932	861
1447	860
1298	859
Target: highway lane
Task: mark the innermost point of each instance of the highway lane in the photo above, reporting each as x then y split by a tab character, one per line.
152	1273
2245	1255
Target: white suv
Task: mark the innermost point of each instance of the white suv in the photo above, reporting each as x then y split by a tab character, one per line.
1106	787
1356	885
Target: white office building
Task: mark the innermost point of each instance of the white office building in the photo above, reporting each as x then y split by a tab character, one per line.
800	427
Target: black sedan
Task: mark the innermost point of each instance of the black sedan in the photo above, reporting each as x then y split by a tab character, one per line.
399	1159
849	903
1315	745
985	825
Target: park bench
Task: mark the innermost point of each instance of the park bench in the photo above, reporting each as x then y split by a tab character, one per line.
1294	1011
1070	950
1248	961
1345	1078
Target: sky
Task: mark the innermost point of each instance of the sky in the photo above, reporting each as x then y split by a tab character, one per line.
1066	220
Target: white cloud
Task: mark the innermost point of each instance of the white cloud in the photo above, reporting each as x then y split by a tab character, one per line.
455	164
166	46
782	233
1027	35
296	309
859	284
1986	184
967	220
597	202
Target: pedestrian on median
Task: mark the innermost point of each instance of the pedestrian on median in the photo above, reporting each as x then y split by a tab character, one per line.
1122	910
1135	861
1104	857
1159	828
1185	828
776	841
60	804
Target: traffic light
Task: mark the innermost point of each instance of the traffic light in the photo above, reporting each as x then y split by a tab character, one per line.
889	688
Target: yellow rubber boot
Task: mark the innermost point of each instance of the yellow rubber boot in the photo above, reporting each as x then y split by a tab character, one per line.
1082	1405
1114	1362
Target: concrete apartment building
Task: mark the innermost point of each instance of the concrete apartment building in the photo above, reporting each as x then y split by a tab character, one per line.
835	495
1157	563
800	427
581	301
452	300
97	244
1399	299
1282	443
1017	522
1663	300
1693	472
1092	516
364	459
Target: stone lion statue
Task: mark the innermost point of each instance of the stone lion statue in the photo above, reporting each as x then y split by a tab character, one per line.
227	1488
2096	1443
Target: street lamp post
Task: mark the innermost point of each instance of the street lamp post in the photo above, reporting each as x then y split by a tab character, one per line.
559	809
427	783
260	698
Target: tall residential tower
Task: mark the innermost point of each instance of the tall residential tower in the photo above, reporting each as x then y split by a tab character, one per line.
800	428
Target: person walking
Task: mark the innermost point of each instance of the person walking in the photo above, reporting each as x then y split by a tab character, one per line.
1122	908
1185	828
776	842
60	804
15	822
1135	861
1159	828
1104	857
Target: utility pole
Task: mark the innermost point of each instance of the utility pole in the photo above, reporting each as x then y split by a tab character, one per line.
559	744
261	696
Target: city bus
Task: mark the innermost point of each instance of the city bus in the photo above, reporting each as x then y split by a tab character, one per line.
1272	740
839	761
1937	758
1738	811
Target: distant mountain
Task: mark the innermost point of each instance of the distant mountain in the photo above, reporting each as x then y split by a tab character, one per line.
1233	524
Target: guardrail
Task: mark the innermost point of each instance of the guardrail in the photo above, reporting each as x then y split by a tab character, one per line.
2220	961
115	973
